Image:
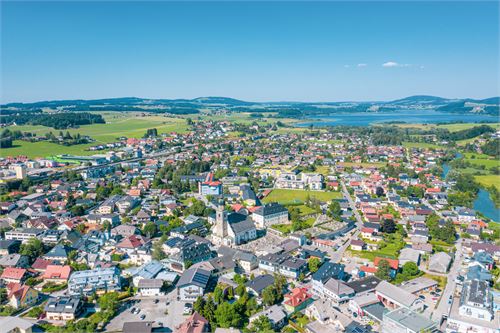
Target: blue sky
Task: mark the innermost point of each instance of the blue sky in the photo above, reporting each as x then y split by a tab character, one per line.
260	51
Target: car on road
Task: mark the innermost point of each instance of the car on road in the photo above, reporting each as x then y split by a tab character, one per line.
188	307
156	301
421	297
143	316
450	299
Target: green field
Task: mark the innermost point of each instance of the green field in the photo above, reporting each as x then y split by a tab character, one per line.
450	127
285	196
488	180
364	165
117	124
420	145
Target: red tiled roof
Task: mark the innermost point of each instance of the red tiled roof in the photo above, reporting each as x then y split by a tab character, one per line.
13	273
57	272
394	263
297	297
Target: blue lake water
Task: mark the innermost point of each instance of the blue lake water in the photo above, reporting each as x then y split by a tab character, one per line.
486	206
407	116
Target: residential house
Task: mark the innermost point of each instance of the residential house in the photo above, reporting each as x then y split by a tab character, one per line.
63	308
192	284
276	315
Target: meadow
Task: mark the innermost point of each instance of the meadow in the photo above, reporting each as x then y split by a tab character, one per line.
286	196
488	180
117	124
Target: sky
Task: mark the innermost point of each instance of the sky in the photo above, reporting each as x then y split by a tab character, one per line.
255	51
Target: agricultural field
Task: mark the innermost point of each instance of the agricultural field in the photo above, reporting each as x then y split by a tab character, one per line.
364	165
117	124
286	197
450	127
488	180
481	159
421	145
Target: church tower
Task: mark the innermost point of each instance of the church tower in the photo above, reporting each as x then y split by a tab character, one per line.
220	229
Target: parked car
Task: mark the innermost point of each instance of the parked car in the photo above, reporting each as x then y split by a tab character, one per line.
143	316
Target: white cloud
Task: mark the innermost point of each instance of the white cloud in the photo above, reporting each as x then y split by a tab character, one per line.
395	64
362	65
390	64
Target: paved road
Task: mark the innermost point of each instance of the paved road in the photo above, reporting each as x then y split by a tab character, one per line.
339	254
443	306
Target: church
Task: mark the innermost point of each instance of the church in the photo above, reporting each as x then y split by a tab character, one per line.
232	228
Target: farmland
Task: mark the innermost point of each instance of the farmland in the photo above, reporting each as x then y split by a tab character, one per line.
117	124
285	196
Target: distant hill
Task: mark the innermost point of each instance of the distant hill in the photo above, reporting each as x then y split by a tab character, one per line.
420	99
285	109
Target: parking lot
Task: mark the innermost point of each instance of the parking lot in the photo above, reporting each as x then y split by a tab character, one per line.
169	316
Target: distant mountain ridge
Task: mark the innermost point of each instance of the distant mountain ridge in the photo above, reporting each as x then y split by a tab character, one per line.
186	106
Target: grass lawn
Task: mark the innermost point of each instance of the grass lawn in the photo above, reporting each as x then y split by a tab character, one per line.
285	196
441	280
390	251
304	210
323	169
364	165
117	124
420	145
489	180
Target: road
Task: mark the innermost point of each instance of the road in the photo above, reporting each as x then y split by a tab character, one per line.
339	254
443	306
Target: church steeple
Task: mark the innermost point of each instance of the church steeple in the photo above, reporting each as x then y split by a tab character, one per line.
220	230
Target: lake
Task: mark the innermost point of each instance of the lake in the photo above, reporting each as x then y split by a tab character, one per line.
486	206
407	116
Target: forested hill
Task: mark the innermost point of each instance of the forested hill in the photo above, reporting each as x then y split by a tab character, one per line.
286	109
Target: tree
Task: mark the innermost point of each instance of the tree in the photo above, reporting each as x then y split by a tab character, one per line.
77	210
218	295
384	270
199	305
410	269
226	316
32	249
149	229
314	264
209	310
334	210
261	324
388	226
269	296
379	191
109	302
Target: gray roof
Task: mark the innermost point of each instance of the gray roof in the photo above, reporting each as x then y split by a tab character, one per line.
275	313
150	283
195	275
397	294
260	283
439	262
63	304
409	319
269	209
242	226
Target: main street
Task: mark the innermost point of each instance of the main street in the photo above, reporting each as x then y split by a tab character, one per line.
339	254
444	306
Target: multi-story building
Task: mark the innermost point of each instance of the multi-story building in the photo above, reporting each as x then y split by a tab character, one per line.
270	214
96	280
403	320
23	235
